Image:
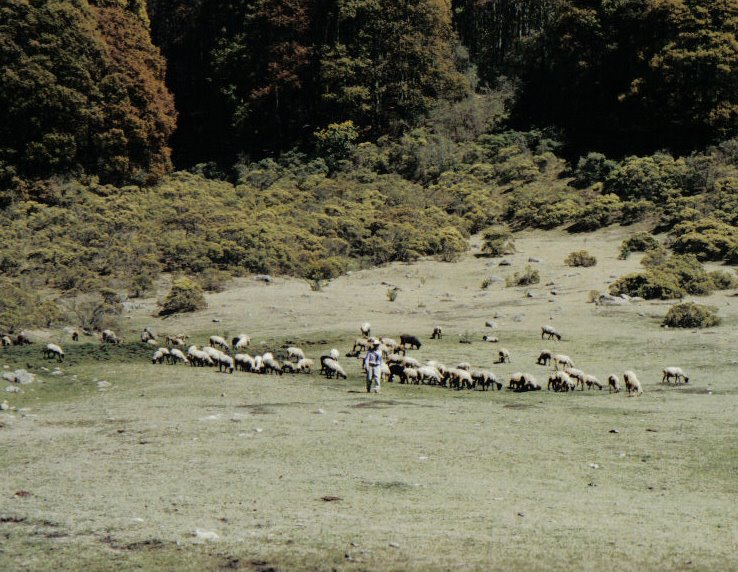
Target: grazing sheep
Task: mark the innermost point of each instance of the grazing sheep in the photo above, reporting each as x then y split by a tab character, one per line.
396	369
613	384
54	351
518	381
218	342
366	329
390	346
332	368
258	364
465	365
459	379
271	365
632	385
75	336
147	335
490	339
411	374
109	337
243	362
334	354
212	353
674	372
225	362
531	384
560	381
551	332
240	342
360	344
158	357
485	379
503	356
410	340
6	341
177	356
577	374
437	333
178	340
199	358
544	358
429	374
562	360
305	365
591	381
22	339
295	354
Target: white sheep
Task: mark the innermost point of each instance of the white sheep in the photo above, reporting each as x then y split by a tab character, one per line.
199	357
613	384
429	373
177	356
109	337
334	354
147	335
332	368
295	354
412	374
241	341
218	341
577	374
490	339
503	355
360	344
551	332
6	341
632	385
305	365
484	379
152	342
674	372
225	362
54	351
518	380
560	381
465	365
244	362
460	378
158	357
366	329
271	365
591	381
562	360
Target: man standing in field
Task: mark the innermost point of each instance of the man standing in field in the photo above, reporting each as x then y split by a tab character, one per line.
373	366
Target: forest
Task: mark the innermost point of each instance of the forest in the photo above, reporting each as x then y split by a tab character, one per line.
214	138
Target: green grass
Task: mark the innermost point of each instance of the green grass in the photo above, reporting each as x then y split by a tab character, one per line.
428	478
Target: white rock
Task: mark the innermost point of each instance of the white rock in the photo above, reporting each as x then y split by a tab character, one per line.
258	430
103	385
201	534
13	389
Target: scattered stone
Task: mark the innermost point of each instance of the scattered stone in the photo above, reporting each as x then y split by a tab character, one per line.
201	534
518	317
258	430
490	324
46	369
610	300
22	494
331	498
103	385
320	412
554	292
614	431
4	406
505	263
535	259
263	278
13	389
19	376
529	294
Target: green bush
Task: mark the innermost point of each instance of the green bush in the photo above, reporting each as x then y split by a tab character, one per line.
498	241
665	277
723	280
186	295
649	285
593	168
526	278
21	307
213	280
640	242
580	258
707	238
691	315
602	211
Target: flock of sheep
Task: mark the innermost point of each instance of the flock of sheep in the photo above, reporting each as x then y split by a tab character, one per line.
231	357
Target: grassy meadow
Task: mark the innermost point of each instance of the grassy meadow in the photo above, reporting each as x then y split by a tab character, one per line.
300	472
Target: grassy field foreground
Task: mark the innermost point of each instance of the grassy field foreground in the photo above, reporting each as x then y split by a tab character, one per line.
299	472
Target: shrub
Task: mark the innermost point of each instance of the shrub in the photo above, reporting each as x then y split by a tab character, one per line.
498	241
185	296
528	277
602	211
21	307
655	177
691	315
649	285
213	280
140	285
593	168
708	238
640	242
723	280
580	258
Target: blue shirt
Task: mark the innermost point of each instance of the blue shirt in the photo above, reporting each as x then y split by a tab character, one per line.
373	358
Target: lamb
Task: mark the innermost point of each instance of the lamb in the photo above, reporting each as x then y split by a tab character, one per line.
437	333
295	354
305	365
333	368
177	356
551	332
674	372
366	329
613	384
503	355
544	358
577	374
240	342
562	360
410	340
218	341
109	337
591	381
490	339
632	385
53	350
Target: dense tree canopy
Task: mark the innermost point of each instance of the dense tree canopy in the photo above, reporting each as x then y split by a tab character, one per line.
82	91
